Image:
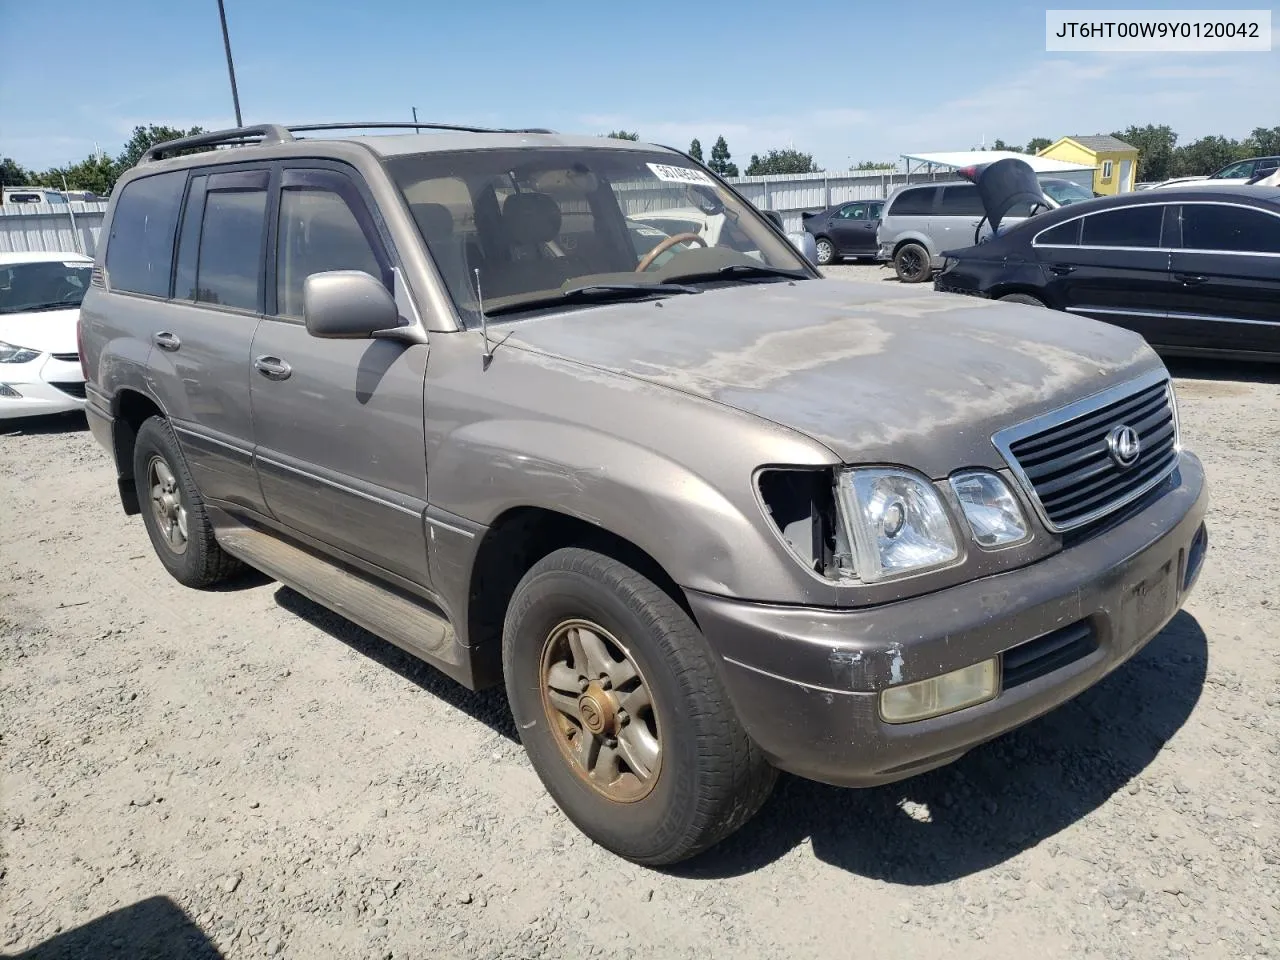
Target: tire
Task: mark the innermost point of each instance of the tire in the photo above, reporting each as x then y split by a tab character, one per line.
911	263
826	252
1022	298
708	778
196	561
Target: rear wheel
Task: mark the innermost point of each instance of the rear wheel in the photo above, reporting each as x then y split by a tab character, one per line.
911	263
173	510
1022	298
619	706
826	252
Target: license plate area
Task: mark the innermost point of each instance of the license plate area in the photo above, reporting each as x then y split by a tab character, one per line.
1149	603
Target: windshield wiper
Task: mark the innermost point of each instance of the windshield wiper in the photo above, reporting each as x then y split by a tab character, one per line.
593	293
743	270
39	307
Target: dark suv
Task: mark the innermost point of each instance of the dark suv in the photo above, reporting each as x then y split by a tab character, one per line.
705	513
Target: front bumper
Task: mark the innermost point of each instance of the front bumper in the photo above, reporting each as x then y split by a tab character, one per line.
44	385
805	682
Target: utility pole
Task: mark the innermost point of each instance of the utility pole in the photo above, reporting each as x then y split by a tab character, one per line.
231	69
415	120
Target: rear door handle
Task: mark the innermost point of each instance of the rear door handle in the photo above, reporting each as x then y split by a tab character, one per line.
1061	269
1189	279
273	368
166	341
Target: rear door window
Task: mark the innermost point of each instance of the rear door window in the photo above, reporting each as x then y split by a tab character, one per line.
961	200
1063	235
1126	227
229	267
917	202
1221	227
140	247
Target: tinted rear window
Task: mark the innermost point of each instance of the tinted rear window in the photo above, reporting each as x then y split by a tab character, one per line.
1064	234
912	202
1222	227
1128	227
961	200
230	265
140	248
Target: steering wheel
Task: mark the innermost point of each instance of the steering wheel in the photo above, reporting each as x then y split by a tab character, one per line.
664	245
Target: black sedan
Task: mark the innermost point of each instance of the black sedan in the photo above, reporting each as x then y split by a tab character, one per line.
1195	271
845	230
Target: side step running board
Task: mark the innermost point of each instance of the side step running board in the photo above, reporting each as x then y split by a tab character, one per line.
407	623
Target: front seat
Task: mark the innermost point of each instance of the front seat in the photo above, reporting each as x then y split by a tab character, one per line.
435	223
530	221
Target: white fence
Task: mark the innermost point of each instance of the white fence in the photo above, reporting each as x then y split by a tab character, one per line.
61	227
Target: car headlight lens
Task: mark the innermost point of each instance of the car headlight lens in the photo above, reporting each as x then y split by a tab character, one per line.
938	695
990	508
895	522
9	353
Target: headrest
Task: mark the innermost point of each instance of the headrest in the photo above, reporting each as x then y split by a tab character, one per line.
531	218
434	220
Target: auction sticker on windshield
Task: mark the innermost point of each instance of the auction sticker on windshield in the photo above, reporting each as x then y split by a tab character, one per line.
671	174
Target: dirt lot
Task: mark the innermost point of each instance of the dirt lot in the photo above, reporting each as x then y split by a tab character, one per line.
241	773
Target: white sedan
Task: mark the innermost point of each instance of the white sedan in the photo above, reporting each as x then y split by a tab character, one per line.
40	296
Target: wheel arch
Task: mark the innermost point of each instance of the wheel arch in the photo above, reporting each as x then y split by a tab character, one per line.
130	409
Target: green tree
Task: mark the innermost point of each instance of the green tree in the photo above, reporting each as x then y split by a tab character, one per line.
1036	144
623	135
96	172
1202	157
148	136
874	165
1156	145
1264	141
720	161
1001	145
14	174
695	150
782	161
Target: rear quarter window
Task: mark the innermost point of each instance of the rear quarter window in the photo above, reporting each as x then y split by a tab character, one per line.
1231	229
915	202
140	246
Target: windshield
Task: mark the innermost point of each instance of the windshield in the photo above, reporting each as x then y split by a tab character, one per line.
540	224
48	285
1064	191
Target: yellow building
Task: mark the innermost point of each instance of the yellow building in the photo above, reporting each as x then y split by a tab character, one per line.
1114	162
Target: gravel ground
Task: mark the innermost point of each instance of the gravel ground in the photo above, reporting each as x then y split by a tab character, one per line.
241	773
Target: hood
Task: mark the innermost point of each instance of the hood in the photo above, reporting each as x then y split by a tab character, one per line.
1004	184
876	372
53	331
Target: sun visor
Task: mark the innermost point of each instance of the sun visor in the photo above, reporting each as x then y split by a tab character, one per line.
1003	185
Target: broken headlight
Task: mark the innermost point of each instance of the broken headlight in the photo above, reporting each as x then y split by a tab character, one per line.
895	522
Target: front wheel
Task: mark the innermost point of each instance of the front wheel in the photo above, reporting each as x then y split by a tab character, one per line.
911	263
621	711
826	252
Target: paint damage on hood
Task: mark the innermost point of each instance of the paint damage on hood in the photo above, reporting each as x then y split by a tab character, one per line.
879	373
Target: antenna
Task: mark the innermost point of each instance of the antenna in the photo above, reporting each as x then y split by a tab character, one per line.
484	321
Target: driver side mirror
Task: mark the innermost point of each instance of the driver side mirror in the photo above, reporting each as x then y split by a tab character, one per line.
347	305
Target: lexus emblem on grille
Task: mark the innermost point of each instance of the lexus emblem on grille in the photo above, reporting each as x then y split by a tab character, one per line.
1124	445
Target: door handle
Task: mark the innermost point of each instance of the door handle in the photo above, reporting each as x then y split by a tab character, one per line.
1061	269
166	341
1189	279
273	368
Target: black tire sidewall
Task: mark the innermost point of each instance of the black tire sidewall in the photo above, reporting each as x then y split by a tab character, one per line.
155	438
645	827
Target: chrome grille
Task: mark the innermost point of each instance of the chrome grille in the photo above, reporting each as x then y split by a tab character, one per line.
1065	462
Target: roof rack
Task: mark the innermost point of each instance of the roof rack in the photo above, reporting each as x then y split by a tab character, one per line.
261	134
268	133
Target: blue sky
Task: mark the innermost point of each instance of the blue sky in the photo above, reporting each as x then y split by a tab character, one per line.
846	81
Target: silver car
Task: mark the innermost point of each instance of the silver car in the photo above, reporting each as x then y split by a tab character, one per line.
705	516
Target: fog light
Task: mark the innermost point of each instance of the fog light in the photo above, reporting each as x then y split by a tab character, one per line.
938	695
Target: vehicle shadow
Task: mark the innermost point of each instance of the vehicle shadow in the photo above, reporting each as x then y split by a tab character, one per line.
996	801
1244	371
49	424
156	928
487	706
